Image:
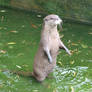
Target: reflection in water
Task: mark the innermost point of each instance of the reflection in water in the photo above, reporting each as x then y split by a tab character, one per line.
68	77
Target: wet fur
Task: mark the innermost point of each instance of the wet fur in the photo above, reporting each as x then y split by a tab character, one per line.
49	39
45	58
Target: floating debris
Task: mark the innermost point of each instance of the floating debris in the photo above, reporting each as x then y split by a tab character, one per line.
11	43
48	86
73	35
39	16
72	51
0	28
23	26
13	31
84	46
61	36
75	51
2	10
2	18
1	85
35	90
90	33
89	60
2	51
34	26
24	41
74	44
18	66
69	41
20	54
90	47
55	90
10	47
74	74
60	63
72	62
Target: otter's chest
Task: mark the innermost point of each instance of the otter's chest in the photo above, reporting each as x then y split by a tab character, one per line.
54	42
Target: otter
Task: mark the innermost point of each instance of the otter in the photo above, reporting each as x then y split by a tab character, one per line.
50	43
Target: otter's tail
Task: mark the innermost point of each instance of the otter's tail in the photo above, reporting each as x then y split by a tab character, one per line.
20	73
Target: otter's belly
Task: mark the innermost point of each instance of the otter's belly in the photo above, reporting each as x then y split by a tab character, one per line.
42	67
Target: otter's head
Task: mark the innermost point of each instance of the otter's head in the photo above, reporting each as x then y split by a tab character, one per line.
52	20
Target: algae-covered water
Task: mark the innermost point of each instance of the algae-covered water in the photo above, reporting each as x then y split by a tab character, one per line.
19	39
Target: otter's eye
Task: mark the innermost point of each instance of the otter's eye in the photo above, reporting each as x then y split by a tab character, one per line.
51	18
46	19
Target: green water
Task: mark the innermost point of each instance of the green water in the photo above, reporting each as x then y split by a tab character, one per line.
19	39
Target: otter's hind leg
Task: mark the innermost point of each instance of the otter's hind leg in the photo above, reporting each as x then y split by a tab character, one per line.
39	76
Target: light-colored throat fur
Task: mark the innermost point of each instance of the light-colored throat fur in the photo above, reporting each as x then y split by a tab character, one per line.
49	31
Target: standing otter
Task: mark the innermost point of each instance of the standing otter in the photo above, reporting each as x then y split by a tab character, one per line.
50	43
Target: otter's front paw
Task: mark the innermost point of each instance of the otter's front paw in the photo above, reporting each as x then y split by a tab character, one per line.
50	59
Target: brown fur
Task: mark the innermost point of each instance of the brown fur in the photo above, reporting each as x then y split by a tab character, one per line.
49	39
50	43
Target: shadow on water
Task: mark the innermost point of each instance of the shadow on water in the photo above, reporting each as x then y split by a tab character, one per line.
19	39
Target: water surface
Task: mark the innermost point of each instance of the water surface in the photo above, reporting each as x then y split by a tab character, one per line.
19	39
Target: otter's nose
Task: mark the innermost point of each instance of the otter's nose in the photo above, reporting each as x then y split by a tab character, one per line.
59	21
